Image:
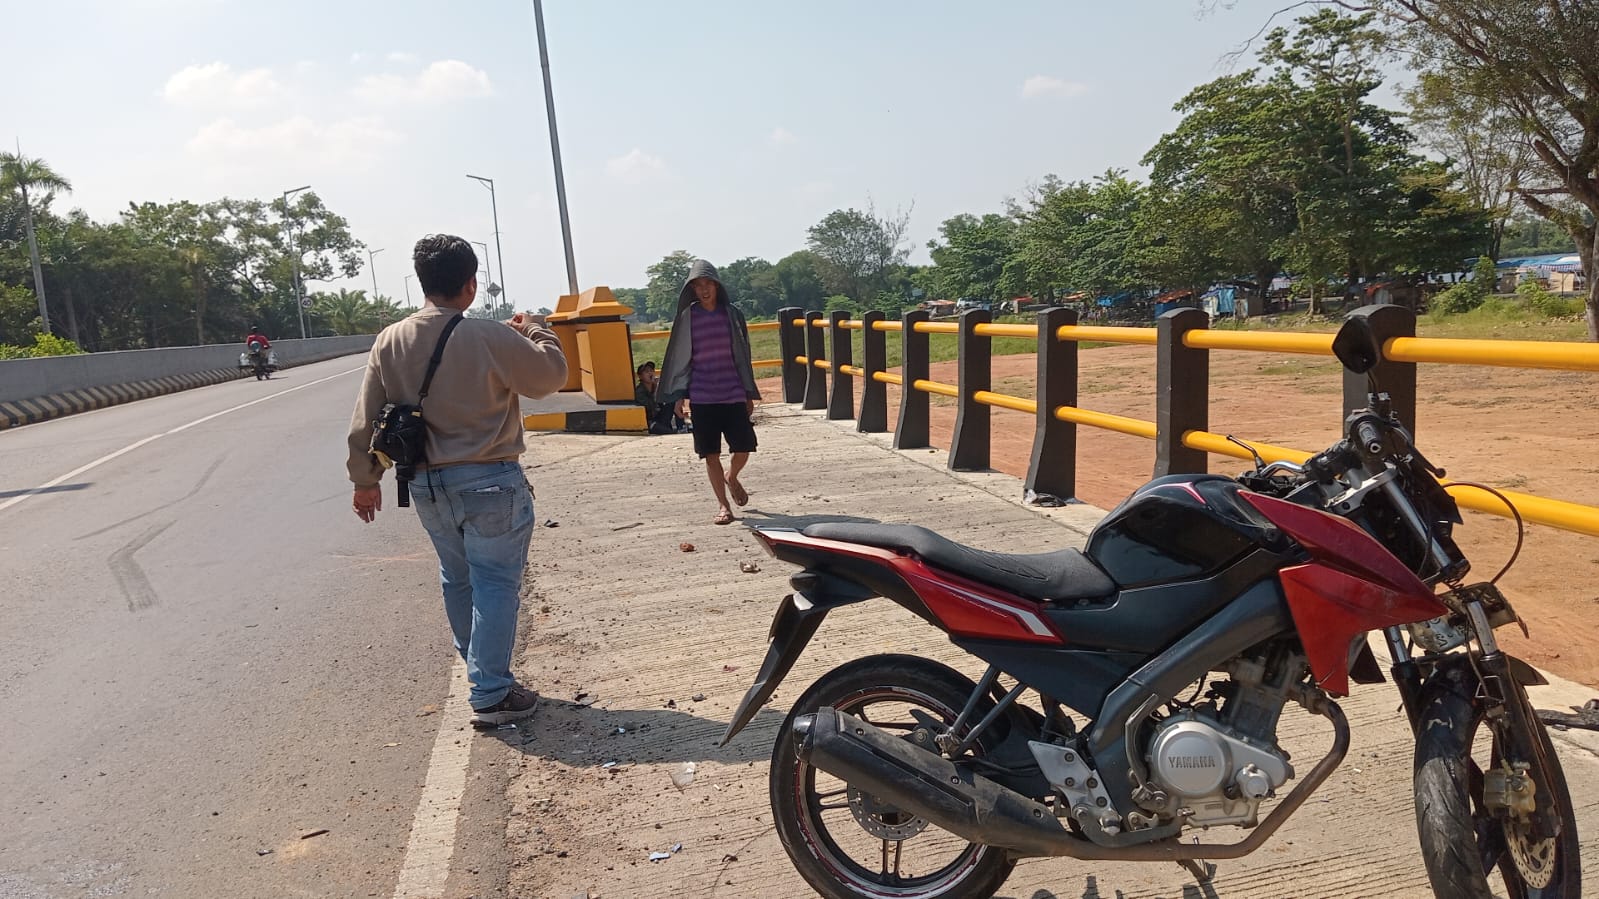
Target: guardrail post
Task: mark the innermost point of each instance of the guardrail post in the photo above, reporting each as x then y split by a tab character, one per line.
874	393
1053	469
841	400
1182	392
969	449
912	432
791	343
815	375
1397	379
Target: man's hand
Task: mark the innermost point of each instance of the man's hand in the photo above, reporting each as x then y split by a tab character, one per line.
523	319
682	408
368	501
749	408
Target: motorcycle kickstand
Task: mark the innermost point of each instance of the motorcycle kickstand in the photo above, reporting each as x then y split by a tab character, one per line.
1203	871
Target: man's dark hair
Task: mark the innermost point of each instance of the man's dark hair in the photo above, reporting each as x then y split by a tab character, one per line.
444	263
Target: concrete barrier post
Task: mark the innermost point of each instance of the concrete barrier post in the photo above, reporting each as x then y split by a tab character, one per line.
841	401
1397	379
791	343
912	432
1053	469
874	393
1182	392
969	448
815	375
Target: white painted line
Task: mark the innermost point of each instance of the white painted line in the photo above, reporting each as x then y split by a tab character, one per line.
427	855
135	445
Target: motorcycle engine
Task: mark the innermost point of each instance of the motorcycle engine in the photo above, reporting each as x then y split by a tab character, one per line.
1216	772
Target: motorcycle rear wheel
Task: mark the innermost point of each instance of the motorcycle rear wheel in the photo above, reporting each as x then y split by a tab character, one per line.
820	819
1462	842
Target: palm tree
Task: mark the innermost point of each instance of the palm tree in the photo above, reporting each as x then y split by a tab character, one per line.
18	172
347	312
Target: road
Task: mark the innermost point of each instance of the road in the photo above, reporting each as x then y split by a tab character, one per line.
204	655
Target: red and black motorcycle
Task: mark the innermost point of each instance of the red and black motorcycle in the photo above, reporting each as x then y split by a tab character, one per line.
1161	658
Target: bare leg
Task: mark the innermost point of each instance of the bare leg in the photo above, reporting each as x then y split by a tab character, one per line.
738	463
713	470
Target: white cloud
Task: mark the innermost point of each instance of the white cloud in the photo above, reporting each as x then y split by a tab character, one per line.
298	142
1050	86
636	167
217	84
781	136
402	57
447	79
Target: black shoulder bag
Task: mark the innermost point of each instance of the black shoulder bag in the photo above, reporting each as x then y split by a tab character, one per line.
399	434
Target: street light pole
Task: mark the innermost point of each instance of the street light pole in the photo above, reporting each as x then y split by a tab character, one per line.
369	254
494	205
408	303
294	254
555	152
486	265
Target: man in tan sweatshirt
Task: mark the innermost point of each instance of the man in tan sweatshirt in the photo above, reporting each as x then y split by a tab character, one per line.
471	495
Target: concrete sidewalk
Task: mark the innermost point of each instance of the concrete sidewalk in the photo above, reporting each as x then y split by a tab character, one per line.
642	650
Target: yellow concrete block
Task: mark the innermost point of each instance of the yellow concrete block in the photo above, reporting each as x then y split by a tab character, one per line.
605	357
545	421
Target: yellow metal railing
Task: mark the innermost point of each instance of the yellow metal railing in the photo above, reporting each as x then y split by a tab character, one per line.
1584	357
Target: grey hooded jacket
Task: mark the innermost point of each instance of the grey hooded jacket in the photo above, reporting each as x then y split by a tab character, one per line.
677	364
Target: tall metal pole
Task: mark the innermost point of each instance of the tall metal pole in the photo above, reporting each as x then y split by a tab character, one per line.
494	204
486	265
555	152
369	254
294	254
408	302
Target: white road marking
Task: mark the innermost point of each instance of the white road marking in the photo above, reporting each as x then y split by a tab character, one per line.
427	855
133	446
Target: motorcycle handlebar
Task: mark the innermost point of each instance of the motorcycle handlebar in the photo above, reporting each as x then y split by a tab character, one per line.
1370	437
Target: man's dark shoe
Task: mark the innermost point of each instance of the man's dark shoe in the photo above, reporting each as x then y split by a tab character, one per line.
518	704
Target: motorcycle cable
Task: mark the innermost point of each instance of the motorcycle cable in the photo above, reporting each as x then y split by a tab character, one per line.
1521	528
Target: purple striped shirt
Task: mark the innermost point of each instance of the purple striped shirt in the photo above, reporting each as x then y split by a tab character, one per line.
713	378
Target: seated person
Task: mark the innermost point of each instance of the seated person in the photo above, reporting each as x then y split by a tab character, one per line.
661	417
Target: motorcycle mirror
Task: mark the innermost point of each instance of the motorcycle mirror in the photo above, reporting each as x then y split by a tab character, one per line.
1356	346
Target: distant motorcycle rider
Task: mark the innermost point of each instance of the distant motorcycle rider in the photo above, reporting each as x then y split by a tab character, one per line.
256	337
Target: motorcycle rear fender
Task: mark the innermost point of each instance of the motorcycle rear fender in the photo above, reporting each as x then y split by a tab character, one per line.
797	619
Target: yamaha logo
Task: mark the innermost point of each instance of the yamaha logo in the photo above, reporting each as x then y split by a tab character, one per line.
1193	761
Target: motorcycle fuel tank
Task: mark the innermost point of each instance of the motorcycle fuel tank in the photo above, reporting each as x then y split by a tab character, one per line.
1177	528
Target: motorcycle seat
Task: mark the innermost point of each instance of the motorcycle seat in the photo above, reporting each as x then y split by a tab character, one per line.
1061	575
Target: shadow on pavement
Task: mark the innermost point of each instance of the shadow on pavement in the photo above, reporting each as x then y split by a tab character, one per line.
589	736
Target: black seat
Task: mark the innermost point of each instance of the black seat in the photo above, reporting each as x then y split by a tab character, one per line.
1062	575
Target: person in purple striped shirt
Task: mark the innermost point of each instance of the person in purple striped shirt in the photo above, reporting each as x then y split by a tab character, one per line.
707	374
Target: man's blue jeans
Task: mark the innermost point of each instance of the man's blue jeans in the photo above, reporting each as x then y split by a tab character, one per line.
480	517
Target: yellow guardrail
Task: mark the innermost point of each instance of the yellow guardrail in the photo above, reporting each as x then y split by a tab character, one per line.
650	335
1005	401
1507	353
851	370
1536	509
766	363
888	326
1133	426
888	377
1260	341
937	328
1221	446
1104	334
936	387
1005	329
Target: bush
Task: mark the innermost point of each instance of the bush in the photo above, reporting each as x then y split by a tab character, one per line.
43	345
1462	297
1549	305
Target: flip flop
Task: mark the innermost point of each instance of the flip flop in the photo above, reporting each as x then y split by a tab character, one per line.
740	495
723	518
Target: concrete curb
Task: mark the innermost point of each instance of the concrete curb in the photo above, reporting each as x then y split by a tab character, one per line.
622	419
41	408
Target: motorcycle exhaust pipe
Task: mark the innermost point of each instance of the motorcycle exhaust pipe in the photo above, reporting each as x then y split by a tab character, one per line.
928	786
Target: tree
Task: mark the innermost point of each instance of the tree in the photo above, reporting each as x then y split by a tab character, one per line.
19	173
753	289
858	250
1539	64
799	280
666	282
974	256
1082	235
346	312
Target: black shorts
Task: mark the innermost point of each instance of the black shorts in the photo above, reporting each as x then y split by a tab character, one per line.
712	420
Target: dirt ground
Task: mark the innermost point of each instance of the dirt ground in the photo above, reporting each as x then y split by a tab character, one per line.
1530	431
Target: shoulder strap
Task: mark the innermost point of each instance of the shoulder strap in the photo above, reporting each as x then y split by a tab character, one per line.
438	354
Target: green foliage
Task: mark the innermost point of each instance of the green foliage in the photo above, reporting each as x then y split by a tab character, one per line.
799	280
977	257
858	251
753	286
350	312
19	314
1468	295
840	302
43	345
1542	301
667	278
1081	235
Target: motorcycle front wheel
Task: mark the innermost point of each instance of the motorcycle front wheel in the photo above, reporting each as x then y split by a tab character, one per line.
1462	842
844	842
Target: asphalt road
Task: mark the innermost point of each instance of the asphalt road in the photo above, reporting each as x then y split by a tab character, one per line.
204	655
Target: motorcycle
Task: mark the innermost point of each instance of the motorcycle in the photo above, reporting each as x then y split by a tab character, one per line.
261	362
1162	657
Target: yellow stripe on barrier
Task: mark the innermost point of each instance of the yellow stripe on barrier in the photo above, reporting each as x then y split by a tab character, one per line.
935	387
798	322
1221	446
766	326
1103	334
851	370
649	335
1007	329
1106	421
853	324
937	328
888	326
766	363
803	360
1508	353
1005	401
888	377
822	364
820	323
1536	509
1260	341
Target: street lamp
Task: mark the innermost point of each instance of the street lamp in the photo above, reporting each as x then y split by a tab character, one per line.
369	254
494	205
294	254
555	151
488	268
408	303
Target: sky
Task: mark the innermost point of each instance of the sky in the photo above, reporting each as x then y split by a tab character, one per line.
723	128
